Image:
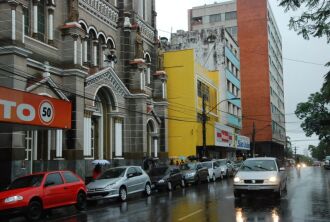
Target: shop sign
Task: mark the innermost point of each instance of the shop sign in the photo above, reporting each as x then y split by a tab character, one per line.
30	109
243	142
224	136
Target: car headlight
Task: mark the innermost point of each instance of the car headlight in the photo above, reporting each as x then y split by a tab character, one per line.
303	165
272	179
237	179
13	199
109	186
191	174
161	181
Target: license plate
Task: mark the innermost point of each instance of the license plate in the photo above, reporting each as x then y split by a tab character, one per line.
253	187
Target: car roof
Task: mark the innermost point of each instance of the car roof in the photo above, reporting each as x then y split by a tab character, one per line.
262	158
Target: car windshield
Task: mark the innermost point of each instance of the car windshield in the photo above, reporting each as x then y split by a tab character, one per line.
188	166
159	171
113	173
222	162
28	181
207	165
258	165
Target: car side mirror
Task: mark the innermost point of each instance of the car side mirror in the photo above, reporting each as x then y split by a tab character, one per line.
282	169
130	175
50	183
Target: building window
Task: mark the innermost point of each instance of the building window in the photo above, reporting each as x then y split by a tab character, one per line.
26	21
215	18
230	16
202	89
41	20
197	21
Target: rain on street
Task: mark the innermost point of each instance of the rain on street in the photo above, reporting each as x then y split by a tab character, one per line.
307	199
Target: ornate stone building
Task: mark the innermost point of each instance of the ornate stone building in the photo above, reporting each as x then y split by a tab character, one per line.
102	56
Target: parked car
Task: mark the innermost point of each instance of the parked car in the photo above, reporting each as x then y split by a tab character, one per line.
194	173
33	194
166	177
260	174
327	163
213	168
226	168
118	182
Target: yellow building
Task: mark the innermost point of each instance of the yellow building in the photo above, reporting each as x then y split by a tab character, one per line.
187	82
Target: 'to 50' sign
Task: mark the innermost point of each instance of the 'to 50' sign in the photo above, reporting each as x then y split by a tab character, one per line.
27	108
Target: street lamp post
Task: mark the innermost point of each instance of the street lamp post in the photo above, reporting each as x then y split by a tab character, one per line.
204	119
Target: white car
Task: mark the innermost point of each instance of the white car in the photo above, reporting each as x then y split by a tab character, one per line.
262	174
213	168
227	169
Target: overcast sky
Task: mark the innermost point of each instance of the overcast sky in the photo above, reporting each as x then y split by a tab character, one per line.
301	78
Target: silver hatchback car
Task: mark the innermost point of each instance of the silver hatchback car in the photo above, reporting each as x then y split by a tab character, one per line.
119	182
260	174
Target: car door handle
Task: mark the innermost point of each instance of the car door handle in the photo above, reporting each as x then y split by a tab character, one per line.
65	188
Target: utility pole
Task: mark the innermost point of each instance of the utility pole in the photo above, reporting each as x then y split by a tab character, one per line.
253	139
295	152
204	124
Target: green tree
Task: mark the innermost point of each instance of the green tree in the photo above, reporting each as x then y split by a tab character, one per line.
315	20
314	113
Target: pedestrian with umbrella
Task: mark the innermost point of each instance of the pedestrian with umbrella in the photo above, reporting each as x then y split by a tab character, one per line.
98	167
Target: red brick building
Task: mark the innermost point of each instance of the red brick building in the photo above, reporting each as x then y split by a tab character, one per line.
261	77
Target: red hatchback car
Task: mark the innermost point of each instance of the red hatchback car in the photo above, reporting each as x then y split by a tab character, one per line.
33	194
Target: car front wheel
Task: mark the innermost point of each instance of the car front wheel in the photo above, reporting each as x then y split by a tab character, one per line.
169	186
35	211
183	183
147	189
122	194
237	194
81	201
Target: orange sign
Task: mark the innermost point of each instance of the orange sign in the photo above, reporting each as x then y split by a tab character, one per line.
31	109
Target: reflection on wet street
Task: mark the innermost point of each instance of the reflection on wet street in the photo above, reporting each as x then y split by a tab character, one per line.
307	199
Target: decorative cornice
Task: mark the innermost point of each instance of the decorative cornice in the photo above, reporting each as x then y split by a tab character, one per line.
101	9
15	50
110	75
52	84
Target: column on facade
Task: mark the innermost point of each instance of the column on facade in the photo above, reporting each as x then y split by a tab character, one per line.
103	56
142	79
87	135
81	52
85	46
148	74
35	18
13	21
155	146
35	145
23	25
49	144
164	89
75	49
118	136
95	45
50	25
59	144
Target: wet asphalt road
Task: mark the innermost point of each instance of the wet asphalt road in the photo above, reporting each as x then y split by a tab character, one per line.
307	199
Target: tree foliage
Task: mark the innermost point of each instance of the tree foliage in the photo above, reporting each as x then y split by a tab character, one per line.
314	21
315	115
319	152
